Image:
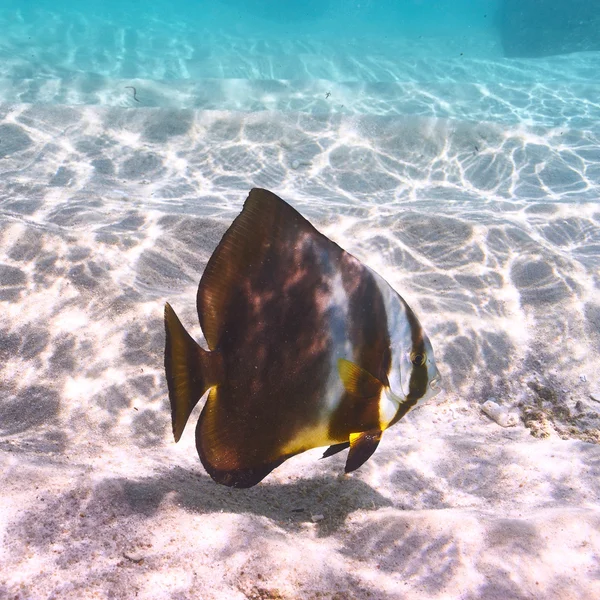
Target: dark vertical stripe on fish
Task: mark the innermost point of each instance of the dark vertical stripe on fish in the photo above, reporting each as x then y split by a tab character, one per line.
370	340
419	379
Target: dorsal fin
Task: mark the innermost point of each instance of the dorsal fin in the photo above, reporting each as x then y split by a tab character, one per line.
265	220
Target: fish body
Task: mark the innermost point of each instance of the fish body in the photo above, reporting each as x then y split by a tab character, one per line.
308	347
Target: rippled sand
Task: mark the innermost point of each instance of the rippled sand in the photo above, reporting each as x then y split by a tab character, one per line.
490	231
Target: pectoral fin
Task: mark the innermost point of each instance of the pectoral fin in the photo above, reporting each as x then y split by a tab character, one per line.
357	381
362	446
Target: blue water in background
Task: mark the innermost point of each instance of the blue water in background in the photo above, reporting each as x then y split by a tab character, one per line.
118	38
338	18
453	48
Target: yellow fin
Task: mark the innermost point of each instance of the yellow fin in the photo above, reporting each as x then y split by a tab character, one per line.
190	370
357	381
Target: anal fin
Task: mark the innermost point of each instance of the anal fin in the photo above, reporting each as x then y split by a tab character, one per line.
218	443
362	446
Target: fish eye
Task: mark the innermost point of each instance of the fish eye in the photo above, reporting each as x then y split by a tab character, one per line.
418	359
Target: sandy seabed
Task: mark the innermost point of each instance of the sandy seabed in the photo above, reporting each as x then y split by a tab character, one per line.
492	234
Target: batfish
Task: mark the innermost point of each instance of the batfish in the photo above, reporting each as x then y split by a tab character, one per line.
308	347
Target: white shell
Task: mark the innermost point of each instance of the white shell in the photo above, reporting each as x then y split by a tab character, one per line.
500	414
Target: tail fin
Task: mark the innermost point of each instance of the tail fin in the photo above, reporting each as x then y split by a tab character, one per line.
190	370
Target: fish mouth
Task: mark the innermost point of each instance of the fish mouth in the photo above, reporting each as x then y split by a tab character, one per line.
436	383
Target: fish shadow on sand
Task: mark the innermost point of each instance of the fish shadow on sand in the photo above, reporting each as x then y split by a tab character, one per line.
119	516
326	500
121	504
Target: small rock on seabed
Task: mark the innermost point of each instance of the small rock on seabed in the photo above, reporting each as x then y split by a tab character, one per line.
500	414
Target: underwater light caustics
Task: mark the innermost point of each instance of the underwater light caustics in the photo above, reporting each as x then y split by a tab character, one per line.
308	347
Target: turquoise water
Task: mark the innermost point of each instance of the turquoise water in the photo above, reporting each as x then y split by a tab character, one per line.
443	59
172	40
268	19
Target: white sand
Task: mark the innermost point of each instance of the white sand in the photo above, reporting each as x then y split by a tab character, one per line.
492	234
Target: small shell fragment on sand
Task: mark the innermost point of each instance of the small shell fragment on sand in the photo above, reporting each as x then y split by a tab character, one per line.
135	557
317	518
500	414
595	396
